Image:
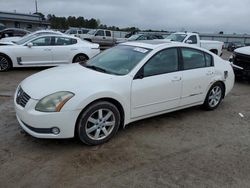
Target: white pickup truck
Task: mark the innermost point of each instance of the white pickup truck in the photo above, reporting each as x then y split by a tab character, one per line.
194	39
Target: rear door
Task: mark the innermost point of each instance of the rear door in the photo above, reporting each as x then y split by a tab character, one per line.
62	49
198	72
109	38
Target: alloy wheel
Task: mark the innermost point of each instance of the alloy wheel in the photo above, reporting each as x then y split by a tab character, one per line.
100	124
215	96
4	64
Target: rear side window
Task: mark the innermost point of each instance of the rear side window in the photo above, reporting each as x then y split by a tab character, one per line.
63	41
165	61
193	59
108	33
209	60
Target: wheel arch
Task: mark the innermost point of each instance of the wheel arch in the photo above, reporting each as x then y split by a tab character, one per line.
8	57
107	99
217	81
80	54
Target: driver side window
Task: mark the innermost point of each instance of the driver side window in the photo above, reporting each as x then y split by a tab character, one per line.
192	39
165	61
43	41
100	33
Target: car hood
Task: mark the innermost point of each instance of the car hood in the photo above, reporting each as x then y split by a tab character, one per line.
63	78
6	43
243	50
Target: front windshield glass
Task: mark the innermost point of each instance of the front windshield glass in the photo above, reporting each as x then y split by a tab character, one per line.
119	60
176	37
26	39
91	32
134	37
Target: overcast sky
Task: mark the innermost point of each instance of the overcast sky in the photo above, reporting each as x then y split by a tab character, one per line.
194	15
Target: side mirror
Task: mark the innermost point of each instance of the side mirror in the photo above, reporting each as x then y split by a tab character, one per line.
189	41
30	44
96	34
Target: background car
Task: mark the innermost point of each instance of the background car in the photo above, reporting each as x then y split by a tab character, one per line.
234	45
129	82
145	37
13	32
138	37
241	58
36	33
46	50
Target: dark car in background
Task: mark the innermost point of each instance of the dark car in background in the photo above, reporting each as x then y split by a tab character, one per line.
234	45
241	58
145	37
13	32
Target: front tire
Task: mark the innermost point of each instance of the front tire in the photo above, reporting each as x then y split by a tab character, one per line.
5	63
98	123
214	96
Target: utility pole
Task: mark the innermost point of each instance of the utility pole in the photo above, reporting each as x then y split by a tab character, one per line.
36	5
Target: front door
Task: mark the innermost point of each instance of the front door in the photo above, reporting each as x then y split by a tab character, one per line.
40	53
160	87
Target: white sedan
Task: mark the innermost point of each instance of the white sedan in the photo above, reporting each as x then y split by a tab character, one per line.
129	82
46	50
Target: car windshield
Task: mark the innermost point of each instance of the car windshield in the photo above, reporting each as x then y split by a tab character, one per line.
176	37
26	38
91	32
119	60
134	37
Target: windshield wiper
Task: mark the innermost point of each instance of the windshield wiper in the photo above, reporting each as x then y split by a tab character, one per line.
96	68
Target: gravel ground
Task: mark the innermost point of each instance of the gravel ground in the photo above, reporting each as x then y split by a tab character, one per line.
188	148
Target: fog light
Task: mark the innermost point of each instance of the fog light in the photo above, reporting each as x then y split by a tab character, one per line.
55	130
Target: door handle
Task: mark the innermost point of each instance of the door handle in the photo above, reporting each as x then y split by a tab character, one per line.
176	79
47	49
104	37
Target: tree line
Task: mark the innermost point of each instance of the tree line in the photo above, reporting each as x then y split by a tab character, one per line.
63	23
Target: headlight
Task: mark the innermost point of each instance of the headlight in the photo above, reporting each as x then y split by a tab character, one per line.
54	102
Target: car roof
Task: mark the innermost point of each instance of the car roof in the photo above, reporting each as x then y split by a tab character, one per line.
15	29
56	35
161	43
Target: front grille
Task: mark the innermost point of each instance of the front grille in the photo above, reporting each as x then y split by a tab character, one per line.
242	61
22	98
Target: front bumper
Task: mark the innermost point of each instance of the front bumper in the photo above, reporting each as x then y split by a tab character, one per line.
40	124
241	72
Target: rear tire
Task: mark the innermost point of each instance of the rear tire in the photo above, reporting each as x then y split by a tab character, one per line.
5	63
214	96
98	123
80	58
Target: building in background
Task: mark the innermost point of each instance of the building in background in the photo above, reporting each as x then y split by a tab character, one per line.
30	22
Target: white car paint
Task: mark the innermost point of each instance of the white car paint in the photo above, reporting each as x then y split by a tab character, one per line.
139	98
24	55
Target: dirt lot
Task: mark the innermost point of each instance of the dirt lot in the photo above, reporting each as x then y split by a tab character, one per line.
189	148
